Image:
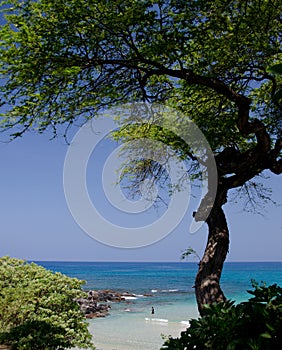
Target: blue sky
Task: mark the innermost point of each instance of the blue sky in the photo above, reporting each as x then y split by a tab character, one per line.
37	224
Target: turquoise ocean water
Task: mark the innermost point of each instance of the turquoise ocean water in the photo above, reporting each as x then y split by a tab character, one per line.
168	287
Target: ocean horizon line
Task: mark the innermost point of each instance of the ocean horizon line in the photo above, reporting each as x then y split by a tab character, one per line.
146	261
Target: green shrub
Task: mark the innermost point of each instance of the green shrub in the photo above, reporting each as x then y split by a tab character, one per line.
38	308
252	325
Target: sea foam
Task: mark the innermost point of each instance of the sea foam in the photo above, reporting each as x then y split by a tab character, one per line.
163	320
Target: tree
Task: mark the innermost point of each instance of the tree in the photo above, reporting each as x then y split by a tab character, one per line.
38	308
63	61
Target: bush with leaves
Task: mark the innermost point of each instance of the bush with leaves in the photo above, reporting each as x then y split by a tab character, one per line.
252	325
38	308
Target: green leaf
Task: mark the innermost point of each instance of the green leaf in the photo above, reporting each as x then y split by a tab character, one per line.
277	96
275	69
266	335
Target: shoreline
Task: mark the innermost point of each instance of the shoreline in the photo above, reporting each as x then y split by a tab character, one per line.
98	302
124	320
138	329
153	337
173	298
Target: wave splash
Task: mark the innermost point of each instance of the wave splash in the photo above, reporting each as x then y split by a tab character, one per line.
165	290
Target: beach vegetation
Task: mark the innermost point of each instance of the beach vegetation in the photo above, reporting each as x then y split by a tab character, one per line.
64	61
38	308
252	325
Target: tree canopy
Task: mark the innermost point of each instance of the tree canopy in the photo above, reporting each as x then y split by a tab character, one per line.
63	61
66	59
38	308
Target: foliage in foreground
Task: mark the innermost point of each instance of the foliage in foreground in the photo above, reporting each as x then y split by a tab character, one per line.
252	325
38	308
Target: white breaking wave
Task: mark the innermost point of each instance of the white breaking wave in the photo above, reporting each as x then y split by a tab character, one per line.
164	290
163	320
129	298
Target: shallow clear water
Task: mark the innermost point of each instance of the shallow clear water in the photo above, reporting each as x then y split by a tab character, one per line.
130	325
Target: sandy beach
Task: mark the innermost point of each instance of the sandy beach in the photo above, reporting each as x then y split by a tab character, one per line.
136	335
140	330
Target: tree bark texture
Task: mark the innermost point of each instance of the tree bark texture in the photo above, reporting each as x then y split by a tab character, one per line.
207	284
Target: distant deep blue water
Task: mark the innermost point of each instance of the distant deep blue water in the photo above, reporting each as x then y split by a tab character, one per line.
162	277
130	325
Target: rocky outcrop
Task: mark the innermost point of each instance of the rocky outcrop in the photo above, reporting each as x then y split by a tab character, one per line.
105	295
93	305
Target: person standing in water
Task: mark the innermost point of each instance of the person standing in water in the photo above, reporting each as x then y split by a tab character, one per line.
153	310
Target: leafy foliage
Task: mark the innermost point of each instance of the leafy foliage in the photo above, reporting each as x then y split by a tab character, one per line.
64	60
188	252
276	96
38	308
252	325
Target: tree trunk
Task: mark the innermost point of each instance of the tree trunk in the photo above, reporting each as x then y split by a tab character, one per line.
207	284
